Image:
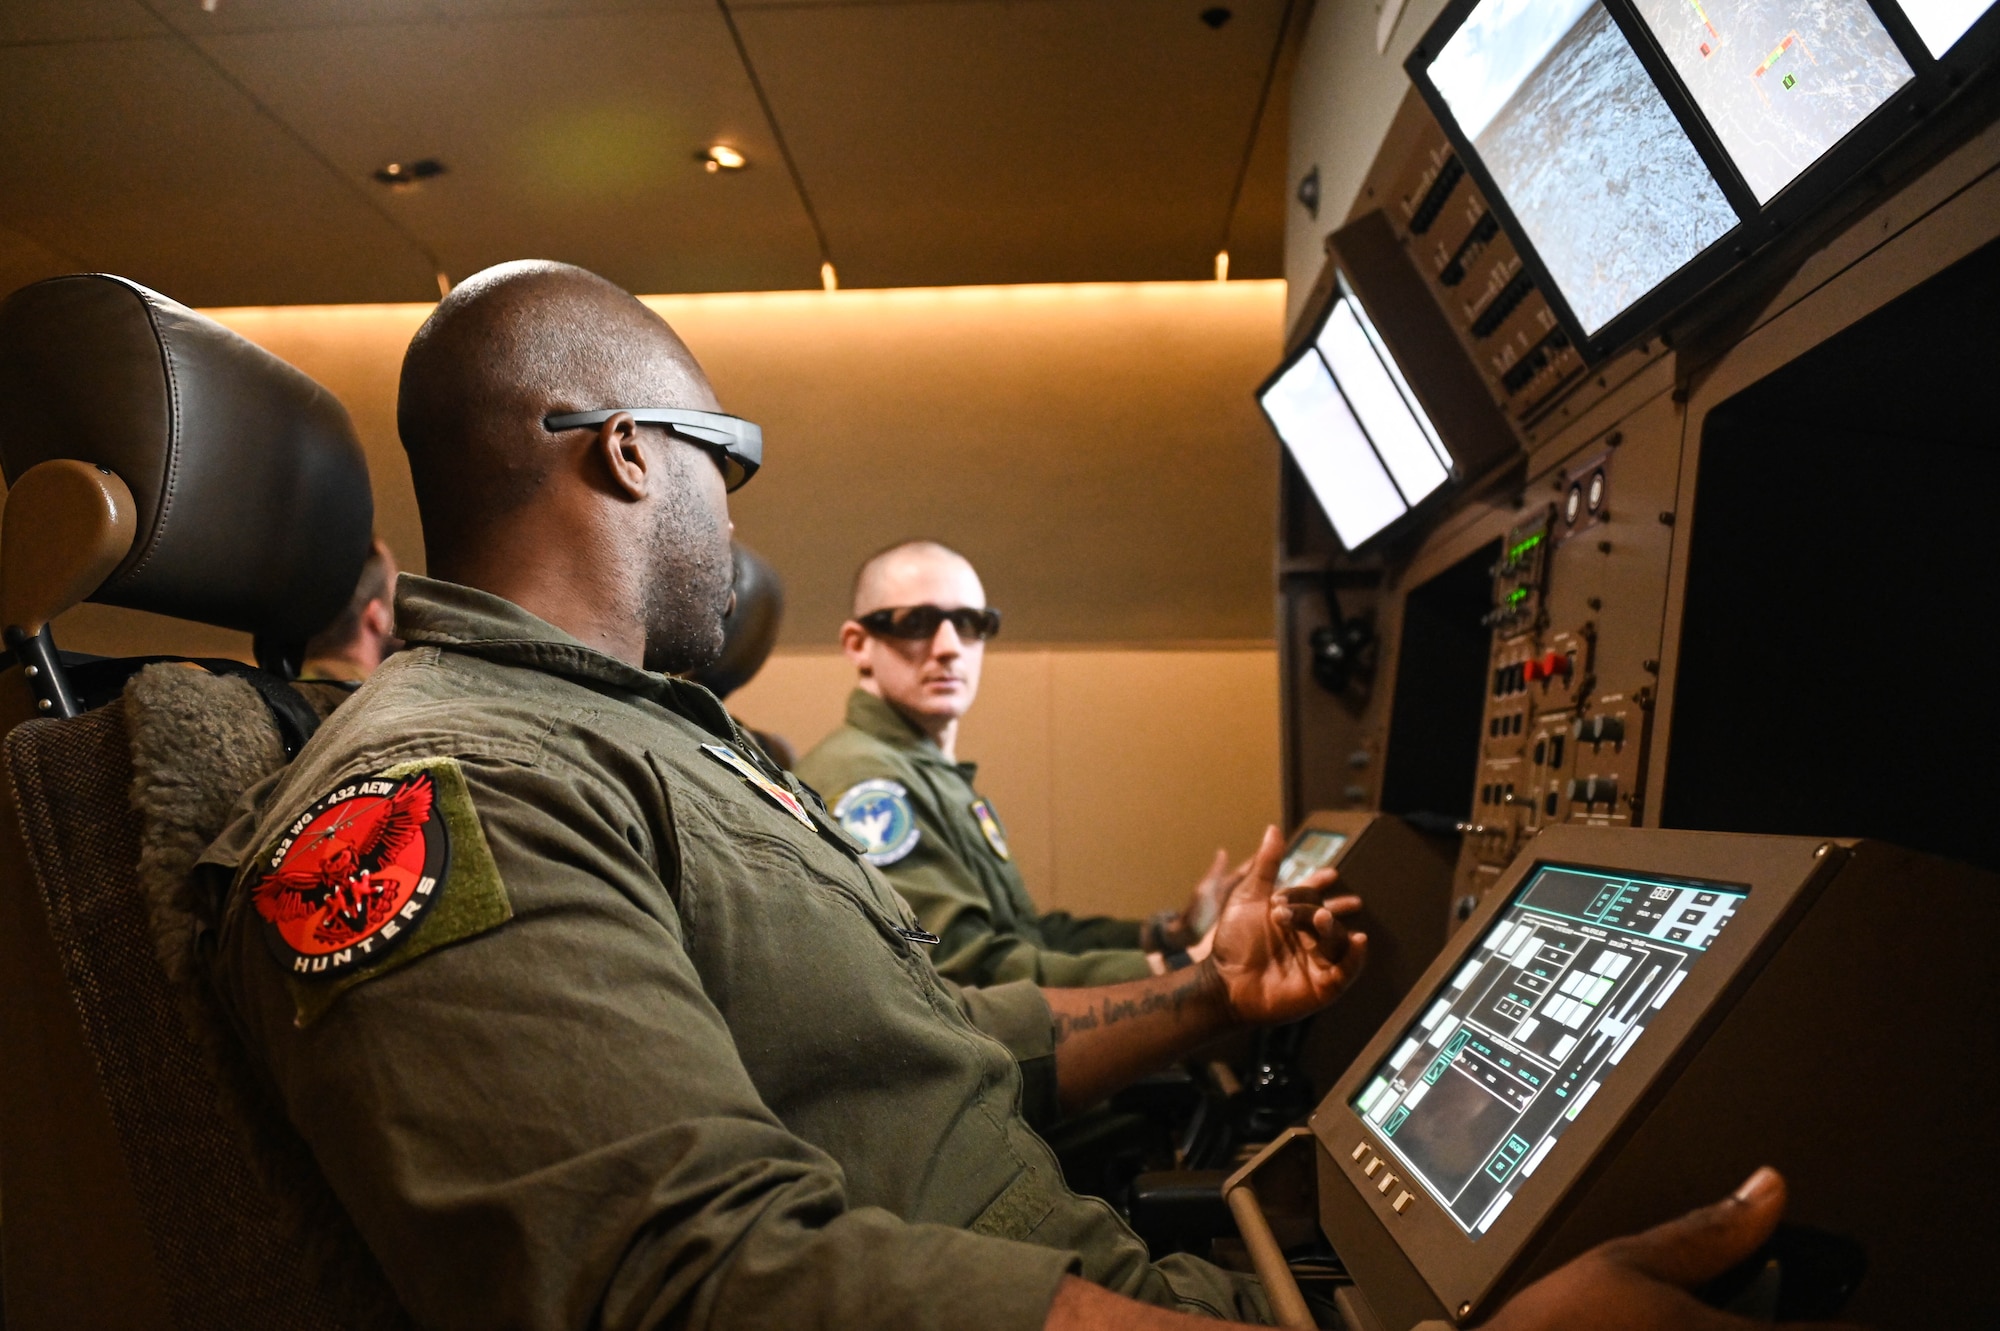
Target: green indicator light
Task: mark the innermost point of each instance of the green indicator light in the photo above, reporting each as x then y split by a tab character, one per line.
1518	595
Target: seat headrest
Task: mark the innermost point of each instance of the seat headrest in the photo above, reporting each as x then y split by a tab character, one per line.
750	629
253	510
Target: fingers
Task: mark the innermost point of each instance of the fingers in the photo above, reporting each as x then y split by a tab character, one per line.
1264	864
1703	1244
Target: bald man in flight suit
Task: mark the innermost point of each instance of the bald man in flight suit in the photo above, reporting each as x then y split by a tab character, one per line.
891	773
593	1017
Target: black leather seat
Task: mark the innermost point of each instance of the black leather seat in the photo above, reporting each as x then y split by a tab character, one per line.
155	460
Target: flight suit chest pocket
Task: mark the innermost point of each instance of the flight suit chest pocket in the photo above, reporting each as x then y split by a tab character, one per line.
1019	1209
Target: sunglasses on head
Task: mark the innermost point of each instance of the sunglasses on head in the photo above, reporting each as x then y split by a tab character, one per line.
918	622
736	445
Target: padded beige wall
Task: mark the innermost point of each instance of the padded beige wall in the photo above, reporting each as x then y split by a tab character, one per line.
1094	448
1118	772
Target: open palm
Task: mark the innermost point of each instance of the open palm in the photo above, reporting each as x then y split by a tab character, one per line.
1284	954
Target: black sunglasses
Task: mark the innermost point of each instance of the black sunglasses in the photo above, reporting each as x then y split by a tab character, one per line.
736	444
918	622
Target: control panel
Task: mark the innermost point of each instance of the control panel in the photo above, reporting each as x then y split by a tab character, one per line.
1478	278
1555	746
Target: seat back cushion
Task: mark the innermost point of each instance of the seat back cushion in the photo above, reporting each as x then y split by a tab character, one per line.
115	806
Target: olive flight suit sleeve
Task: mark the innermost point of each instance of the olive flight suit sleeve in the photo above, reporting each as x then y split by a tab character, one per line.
974	947
548	1124
1084	933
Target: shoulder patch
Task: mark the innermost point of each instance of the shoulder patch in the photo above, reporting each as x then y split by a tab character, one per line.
989	823
372	875
878	814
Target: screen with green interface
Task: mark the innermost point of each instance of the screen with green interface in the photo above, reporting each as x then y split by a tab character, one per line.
1509	1053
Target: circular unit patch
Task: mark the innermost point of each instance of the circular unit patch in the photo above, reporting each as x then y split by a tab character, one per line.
353	875
878	814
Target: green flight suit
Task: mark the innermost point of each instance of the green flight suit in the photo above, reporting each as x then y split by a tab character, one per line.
962	886
660	1052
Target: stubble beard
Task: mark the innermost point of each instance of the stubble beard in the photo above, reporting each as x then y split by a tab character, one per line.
688	594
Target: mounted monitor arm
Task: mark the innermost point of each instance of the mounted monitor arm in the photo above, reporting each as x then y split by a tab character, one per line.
1344	647
68	526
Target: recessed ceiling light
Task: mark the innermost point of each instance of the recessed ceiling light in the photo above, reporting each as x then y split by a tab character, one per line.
1217	15
721	157
403	175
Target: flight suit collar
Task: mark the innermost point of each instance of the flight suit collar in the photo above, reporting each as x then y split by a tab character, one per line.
431	612
872	716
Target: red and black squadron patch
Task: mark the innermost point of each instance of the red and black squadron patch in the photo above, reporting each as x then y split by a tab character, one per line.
354	874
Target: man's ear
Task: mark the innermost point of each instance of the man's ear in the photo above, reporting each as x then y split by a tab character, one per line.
854	645
628	466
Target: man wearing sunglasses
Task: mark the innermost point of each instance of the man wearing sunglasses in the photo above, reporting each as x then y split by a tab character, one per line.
917	640
586	1014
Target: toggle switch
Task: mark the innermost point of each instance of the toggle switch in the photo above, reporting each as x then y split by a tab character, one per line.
1601	729
1374	1163
1594	790
1388	1181
1549	665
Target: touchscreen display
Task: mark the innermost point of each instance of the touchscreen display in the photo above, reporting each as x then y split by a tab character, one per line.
1314	849
1511	1051
1603	179
1780	81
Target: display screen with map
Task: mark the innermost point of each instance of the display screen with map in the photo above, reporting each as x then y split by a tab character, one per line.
1585	151
1779	81
1509	1054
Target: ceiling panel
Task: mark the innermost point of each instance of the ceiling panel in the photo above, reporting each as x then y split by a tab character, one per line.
135	157
47	21
225	156
1015	140
571	138
265	15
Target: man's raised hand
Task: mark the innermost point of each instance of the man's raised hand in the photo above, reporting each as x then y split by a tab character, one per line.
1282	954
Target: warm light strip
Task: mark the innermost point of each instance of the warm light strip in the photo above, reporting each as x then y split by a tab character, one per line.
1250	291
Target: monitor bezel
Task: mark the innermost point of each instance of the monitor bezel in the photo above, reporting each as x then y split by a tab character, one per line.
1756	223
1780	876
1344	289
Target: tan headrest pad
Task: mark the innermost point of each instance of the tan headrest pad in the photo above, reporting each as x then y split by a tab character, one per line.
67	525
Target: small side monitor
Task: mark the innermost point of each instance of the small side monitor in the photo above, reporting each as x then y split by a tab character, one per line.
1345	412
1313	849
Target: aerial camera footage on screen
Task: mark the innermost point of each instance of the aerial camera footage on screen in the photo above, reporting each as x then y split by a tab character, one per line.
1602	178
1353	426
1510	1053
1780	81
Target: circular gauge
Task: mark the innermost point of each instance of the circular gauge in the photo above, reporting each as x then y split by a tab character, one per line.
1573	506
1597	489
